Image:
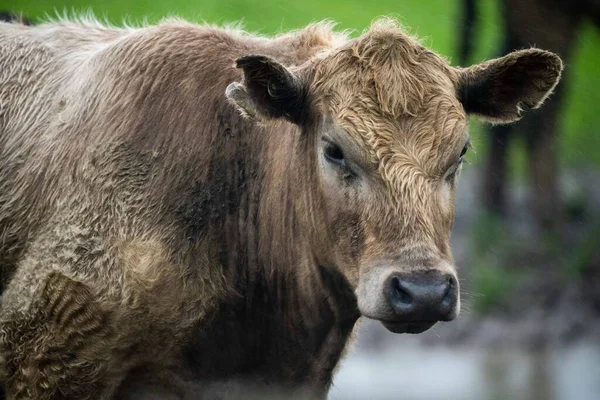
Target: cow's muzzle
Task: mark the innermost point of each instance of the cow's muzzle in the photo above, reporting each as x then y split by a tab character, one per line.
409	302
419	300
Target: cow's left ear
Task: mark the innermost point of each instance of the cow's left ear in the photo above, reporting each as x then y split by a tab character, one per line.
269	90
499	90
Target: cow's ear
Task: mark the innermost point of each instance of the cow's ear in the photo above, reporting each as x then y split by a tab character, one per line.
268	90
499	90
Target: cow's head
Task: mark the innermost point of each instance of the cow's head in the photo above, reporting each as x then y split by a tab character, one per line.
390	141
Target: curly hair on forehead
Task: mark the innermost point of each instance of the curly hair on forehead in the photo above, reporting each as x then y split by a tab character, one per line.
391	70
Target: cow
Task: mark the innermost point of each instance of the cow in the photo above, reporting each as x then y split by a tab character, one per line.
187	206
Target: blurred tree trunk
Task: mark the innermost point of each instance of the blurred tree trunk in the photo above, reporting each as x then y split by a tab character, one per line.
543	164
469	13
495	171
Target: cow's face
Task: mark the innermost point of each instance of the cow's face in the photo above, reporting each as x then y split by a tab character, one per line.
390	142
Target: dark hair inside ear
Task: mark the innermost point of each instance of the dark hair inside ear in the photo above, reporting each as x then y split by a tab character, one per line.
499	90
275	91
474	92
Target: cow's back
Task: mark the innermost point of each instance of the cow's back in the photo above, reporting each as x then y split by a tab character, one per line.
25	77
38	68
108	134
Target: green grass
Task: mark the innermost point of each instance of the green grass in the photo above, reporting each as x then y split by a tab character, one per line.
580	132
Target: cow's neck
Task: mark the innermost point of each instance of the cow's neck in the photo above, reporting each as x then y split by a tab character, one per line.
287	319
275	333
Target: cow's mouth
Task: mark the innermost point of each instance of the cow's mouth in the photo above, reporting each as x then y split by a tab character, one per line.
408	327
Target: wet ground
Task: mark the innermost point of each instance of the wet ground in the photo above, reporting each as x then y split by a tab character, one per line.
404	368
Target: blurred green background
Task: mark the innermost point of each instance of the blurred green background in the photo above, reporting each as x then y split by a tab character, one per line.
437	22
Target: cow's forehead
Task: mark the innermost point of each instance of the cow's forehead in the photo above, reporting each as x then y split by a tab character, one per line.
386	70
426	141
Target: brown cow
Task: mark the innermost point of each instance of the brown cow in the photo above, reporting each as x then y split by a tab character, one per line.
151	236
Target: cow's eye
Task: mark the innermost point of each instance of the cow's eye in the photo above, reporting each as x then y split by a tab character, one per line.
334	154
453	170
462	153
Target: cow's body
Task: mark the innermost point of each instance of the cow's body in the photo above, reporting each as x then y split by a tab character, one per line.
122	164
151	236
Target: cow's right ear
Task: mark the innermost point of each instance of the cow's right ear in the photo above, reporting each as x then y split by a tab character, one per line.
269	90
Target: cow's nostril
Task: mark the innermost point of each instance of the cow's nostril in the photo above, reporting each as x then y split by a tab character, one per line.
401	294
448	296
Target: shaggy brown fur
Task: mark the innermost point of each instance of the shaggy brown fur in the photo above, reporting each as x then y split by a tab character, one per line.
153	240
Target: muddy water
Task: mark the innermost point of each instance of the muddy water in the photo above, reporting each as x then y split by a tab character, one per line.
416	372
